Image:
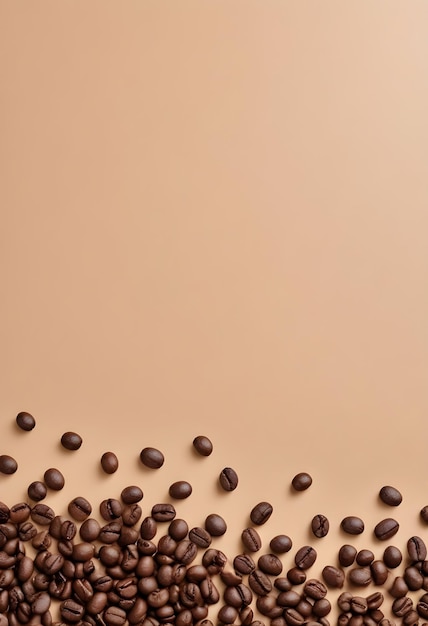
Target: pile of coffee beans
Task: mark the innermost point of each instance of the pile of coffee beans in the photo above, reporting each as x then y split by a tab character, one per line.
109	564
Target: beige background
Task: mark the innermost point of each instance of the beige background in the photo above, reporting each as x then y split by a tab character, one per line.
214	221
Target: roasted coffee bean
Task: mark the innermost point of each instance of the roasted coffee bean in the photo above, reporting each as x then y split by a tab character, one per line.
352	525
293	617
19	512
131	495
315	589
40	603
282	584
163	512
180	490
131	514
259	582
215	525
390	495
251	539
374	600
25	421
68	530
398	588
320	525
238	596
413	578
109	462
228	479
392	557
270	564
71	440
280	544
167	545
214	561
110	533
243	564
364	557
401	606
416	549
360	576
41	540
186	551
8	464
424	514
37	491
260	513
27	531
227	614
386	529
79	508
230	579
152	458
296	576
321	607
267	605
178	529
344	601
305	557
379	572
301	481
358	605
111	509
148	528
347	554
42	514
4	513
203	445
114	616
200	537
411	618
54	479
422	609
333	576
89	529
83	551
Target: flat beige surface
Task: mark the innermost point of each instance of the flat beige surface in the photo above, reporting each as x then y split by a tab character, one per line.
214	221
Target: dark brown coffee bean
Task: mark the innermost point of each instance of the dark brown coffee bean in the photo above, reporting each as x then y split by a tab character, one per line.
267	605
79	508
238	596
413	578
424	514
401	606
180	490
228	479
398	588
392	557
416	549
358	605
260	513
301	481
215	525
386	529
352	525
186	551
315	589
259	582
251	539
282	583
163	512
227	614
68	530
333	576
71	440
25	421
131	514
243	564
27	531
347	554
379	572
422	609
90	529
114	616
42	514
270	564
293	617
296	576
4	513
203	445
364	557
344	601
178	529
230	579
305	557
411	618
360	576
152	458
200	537
320	526
8	464
37	491
109	462
280	544
131	495
54	479
111	509
390	495
321	607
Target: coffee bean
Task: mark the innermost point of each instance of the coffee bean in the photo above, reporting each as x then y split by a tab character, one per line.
352	525
320	526
305	557
202	445
42	514
178	529
228	479
71	440
200	537
259	582
8	465
131	495
180	490
413	578
293	617
109	462
79	508
333	576
416	549
360	576
238	596
110	509
401	606
260	513
251	539
152	458
90	529
398	588
390	495
215	525
244	564
392	557
163	512
424	514
301	481
36	491
379	572
315	589
365	557
227	614
280	544
296	575
347	554
270	564
386	528
53	479
25	421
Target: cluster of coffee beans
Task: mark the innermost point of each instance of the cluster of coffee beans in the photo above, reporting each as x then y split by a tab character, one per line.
120	567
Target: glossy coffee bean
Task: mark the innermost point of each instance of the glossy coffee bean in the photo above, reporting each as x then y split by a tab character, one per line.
8	464
260	513
416	549
37	491
360	576
251	539
152	457
270	564
79	508
280	544
203	445
163	512
390	495
392	557
53	479
333	576
301	481
320	525
71	440
131	495
215	525
347	555
352	525
200	537
228	479
110	509
364	557
180	490
109	462
305	557
25	421
386	528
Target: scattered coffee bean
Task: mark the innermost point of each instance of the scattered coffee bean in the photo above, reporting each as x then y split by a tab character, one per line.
25	421
215	525
37	491
71	440
347	554
200	537
424	514
109	462
8	465
301	481
392	557
111	509
390	495
352	525
416	549
152	458
228	479
364	557
270	564
202	445
180	490
320	526
260	513
54	479
280	544
360	576
305	557
163	512
131	495
251	539
333	576
79	508
379	572
386	529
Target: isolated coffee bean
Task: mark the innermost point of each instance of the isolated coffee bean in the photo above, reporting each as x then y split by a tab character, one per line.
379	572
398	588
280	544
390	495
347	555
215	525
320	525
392	557
163	512
305	557
25	421
251	539
54	479
36	491
71	440
260	513
333	576
203	445
386	528
152	457
301	481
228	479
109	462
416	549
352	525
131	495
8	464
180	490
